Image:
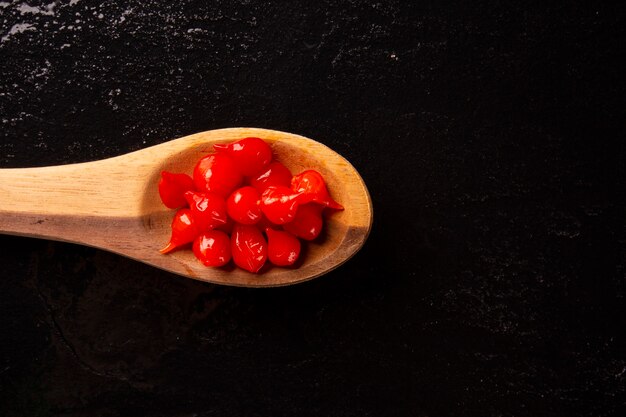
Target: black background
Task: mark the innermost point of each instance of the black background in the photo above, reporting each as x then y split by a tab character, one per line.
491	139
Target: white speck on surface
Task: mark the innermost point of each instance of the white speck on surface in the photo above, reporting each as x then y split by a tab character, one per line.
195	30
114	93
73	2
100	16
47	10
18	28
65	45
124	14
4	4
43	71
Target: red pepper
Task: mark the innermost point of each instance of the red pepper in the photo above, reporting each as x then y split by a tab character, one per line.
312	187
275	174
172	188
283	248
208	209
308	222
184	230
243	205
250	154
279	204
217	173
248	247
212	248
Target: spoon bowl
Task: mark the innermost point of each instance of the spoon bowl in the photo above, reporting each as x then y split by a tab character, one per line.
114	204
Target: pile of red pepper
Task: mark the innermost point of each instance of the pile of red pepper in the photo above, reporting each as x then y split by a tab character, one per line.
242	205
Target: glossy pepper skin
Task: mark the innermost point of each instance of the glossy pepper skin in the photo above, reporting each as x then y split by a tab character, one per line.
217	173
312	187
208	209
274	174
283	248
308	222
250	154
184	230
248	247
279	204
244	205
172	188
212	248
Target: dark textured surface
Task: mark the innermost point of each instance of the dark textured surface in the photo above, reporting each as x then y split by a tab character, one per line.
491	137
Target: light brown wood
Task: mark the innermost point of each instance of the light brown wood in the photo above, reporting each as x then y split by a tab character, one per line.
113	204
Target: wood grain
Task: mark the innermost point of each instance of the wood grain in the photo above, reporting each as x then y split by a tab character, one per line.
113	204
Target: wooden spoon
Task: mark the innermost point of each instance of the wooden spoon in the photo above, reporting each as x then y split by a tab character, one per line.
113	204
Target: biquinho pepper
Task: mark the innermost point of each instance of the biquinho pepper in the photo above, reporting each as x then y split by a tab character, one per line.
275	174
184	230
279	204
308	222
312	188
208	209
212	248
217	173
248	247
172	189
244	206
251	155
283	248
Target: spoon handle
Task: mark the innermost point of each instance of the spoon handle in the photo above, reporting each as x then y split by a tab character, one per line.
67	202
